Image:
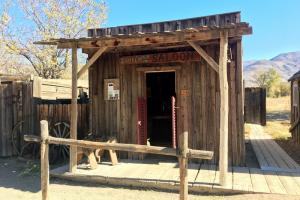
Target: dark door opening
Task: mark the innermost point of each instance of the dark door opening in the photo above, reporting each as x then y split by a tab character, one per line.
160	89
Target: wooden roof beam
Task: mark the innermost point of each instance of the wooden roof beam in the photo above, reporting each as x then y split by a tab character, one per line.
150	39
205	56
91	61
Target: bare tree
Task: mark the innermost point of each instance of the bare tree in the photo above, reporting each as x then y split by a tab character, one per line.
45	19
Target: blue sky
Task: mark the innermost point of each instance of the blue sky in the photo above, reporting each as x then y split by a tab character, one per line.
276	23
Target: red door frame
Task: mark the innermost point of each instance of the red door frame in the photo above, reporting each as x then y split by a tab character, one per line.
142	134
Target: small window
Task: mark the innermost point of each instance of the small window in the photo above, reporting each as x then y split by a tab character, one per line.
295	94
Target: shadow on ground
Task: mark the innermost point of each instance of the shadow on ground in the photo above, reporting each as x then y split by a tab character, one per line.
278	116
10	176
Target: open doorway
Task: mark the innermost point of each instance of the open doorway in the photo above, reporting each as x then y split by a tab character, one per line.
160	89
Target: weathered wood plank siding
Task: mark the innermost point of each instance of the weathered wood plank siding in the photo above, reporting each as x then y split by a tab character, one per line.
295	110
255	105
118	118
103	113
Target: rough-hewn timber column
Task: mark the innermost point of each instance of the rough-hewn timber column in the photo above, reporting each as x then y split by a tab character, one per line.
183	148
223	161
73	135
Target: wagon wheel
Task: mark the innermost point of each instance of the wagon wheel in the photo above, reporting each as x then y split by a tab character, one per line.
59	152
23	149
15	138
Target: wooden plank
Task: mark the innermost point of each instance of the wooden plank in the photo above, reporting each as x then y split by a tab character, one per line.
206	175
242	179
92	160
91	61
289	183
240	100
158	69
113	154
171	174
205	56
229	186
193	172
181	56
74	113
153	39
269	153
233	112
259	182
260	157
274	183
190	24
223	162
191	153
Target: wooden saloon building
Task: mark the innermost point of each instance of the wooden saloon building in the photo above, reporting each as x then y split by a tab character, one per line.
155	81
295	107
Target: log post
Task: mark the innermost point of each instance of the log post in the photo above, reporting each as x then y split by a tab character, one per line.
44	160
183	150
73	134
223	160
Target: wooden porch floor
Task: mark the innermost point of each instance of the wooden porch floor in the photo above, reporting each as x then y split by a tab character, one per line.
202	177
270	156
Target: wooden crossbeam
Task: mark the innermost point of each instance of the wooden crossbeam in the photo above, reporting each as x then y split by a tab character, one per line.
91	61
204	55
223	160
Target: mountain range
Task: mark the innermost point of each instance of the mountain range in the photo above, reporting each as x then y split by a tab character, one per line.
286	64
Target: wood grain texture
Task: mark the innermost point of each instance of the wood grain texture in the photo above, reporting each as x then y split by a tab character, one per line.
119	118
44	160
223	162
74	110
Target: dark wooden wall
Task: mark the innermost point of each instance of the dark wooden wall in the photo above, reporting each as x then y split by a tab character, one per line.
295	112
255	105
55	111
16	106
118	118
20	110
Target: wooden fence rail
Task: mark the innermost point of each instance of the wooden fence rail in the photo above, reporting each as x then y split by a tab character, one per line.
45	140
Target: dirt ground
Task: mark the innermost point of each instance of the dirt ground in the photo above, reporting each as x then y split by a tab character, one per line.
17	183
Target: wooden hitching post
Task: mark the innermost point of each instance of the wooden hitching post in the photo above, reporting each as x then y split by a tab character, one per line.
73	135
223	161
44	160
183	148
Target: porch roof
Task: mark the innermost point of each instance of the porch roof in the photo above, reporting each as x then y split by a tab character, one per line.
170	33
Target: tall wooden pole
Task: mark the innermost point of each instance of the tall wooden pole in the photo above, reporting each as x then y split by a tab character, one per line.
223	161
44	160
73	135
183	148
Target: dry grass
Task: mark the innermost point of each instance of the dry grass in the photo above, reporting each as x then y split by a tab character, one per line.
281	104
279	130
278	123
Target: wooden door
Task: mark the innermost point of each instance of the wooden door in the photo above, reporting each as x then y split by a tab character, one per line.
142	121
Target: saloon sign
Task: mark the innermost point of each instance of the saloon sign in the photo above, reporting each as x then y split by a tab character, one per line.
161	58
